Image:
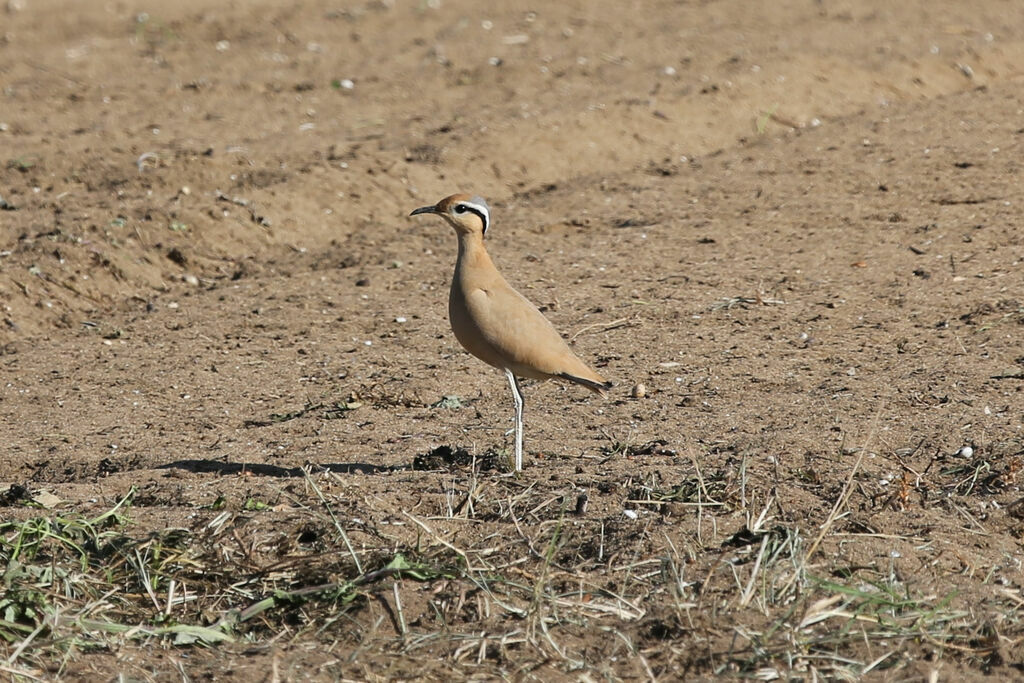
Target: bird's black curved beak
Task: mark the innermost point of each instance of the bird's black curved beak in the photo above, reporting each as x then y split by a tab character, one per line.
424	209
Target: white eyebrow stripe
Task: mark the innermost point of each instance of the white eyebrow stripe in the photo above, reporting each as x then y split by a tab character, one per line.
480	209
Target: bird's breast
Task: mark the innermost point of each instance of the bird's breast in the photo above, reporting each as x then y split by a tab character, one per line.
464	314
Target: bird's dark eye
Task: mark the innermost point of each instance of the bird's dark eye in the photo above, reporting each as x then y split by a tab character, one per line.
460	208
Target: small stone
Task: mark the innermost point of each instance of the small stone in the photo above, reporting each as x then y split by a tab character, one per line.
581	503
638	390
46	499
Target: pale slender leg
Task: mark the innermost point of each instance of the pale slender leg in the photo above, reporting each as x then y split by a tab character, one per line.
517	396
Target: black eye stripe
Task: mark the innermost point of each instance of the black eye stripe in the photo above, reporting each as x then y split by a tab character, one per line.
463	208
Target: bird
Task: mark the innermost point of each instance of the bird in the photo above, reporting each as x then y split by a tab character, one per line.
496	323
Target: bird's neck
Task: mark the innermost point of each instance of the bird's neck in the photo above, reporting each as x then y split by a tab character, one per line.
472	253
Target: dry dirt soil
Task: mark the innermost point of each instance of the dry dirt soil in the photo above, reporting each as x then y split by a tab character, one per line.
240	442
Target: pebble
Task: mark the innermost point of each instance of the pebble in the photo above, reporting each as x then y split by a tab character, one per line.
638	390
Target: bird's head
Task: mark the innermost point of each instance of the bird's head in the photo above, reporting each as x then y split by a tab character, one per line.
466	214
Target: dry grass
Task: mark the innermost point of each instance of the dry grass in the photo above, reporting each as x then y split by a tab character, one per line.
704	576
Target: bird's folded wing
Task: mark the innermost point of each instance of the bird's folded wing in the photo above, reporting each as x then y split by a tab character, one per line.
515	329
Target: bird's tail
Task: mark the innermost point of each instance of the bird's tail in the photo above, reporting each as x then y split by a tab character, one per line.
598	386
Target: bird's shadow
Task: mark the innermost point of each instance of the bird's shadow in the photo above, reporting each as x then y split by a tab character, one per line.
264	470
440	458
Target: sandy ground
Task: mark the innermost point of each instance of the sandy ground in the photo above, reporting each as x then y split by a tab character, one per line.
796	224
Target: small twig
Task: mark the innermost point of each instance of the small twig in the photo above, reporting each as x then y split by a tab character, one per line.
877	661
172	584
398	609
839	505
460	553
25	643
19	673
748	592
337	524
729	302
55	72
604	327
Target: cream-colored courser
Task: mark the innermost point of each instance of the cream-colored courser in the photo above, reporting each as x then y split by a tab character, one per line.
496	323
